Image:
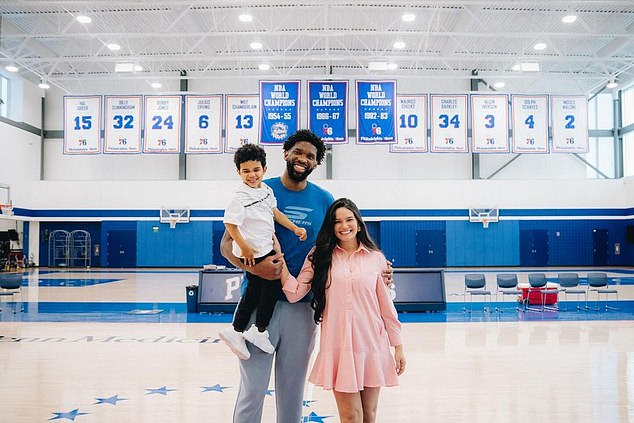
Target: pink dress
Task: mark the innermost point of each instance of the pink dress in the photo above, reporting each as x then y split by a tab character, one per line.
359	323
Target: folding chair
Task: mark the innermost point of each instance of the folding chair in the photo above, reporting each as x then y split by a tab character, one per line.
475	285
569	285
600	283
507	285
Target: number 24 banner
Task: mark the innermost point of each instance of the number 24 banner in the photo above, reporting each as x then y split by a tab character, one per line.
162	124
82	125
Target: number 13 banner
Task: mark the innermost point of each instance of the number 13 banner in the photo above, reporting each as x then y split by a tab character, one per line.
242	114
490	123
123	124
449	123
412	124
570	124
203	122
162	124
376	111
82	125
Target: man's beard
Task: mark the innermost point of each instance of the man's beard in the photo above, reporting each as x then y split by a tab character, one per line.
294	175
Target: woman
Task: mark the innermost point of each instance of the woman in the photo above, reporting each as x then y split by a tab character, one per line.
358	319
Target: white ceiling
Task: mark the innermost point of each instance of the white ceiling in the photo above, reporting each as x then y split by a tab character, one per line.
205	39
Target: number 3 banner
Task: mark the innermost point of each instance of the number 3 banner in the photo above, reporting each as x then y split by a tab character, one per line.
530	123
123	124
490	123
203	121
82	125
162	124
449	123
570	124
412	124
242	114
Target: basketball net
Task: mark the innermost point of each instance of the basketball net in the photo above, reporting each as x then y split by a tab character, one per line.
7	209
173	221
485	223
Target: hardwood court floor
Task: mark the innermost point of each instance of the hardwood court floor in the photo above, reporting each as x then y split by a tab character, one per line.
109	366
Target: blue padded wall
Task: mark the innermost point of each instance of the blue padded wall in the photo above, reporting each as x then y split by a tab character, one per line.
187	245
469	244
398	239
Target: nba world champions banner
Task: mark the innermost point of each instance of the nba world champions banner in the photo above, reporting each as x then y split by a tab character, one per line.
376	112
412	124
82	125
570	124
489	123
328	111
203	124
279	102
242	121
122	124
530	123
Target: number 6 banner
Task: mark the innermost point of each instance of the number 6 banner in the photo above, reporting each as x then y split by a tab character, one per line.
162	124
489	123
82	125
123	124
449	123
203	123
570	124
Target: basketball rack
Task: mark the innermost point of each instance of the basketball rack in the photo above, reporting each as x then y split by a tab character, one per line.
484	216
174	216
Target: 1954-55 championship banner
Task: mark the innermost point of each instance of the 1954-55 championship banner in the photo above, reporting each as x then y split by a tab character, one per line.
279	102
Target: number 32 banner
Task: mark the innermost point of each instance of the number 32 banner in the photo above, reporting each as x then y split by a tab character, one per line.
123	124
489	123
162	124
376	111
570	124
280	110
449	123
203	121
82	125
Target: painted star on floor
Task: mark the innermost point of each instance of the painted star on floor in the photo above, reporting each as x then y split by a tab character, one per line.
216	388
112	400
163	391
314	417
70	415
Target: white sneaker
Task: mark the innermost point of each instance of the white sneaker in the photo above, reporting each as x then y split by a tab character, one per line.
259	339
235	341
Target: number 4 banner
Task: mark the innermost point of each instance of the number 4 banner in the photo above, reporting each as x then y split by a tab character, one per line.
570	124
449	123
203	122
530	123
123	124
242	114
162	124
490	123
82	125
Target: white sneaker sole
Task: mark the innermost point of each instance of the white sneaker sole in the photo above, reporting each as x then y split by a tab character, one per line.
237	352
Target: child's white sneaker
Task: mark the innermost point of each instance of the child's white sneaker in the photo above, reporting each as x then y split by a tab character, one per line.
259	339
235	341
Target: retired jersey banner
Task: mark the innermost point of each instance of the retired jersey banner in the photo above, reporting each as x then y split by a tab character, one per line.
376	112
328	110
570	124
242	120
530	123
203	124
449	123
122	124
489	123
279	102
82	125
162	124
411	124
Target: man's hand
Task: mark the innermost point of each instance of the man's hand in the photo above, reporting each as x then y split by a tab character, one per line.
388	275
270	268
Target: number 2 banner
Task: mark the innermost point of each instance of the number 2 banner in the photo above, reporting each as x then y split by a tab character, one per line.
82	125
328	110
530	123
123	124
242	121
203	124
412	124
449	123
490	123
162	124
280	110
570	124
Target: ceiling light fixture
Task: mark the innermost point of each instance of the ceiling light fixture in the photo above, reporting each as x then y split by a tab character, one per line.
529	67
408	17
392	66
245	17
377	66
156	85
138	68
84	19
399	45
540	46
124	67
256	45
264	66
612	84
43	85
113	46
499	84
570	18
12	68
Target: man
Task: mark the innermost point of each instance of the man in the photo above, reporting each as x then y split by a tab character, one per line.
291	329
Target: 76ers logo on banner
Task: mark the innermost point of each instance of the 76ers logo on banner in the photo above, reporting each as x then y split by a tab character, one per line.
279	131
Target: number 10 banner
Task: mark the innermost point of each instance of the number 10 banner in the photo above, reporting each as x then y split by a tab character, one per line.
162	124
489	123
412	124
82	125
570	124
203	123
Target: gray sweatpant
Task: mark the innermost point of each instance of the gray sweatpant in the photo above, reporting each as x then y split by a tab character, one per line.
292	332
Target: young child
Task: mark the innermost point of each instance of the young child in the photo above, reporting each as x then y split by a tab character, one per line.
249	219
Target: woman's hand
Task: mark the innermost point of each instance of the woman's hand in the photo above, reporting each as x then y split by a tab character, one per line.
399	359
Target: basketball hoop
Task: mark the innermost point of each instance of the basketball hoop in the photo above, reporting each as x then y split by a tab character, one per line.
7	209
485	223
172	222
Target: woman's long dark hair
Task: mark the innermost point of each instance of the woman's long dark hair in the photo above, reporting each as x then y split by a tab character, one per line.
321	257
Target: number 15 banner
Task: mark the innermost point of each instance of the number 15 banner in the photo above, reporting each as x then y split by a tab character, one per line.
490	123
82	125
162	124
570	124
